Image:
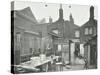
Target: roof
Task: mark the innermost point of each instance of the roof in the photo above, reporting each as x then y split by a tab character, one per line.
27	13
26	20
72	25
90	23
69	28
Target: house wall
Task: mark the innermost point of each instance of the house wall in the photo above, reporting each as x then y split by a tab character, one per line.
29	43
90	24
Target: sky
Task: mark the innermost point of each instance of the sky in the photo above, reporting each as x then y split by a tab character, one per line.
41	10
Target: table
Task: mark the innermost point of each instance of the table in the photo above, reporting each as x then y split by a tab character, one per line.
32	64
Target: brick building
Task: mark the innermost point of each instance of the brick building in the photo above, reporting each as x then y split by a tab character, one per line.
88	37
62	34
27	34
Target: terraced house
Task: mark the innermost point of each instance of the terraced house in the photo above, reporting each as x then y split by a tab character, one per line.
88	37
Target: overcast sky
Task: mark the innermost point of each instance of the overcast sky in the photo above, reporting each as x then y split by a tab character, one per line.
80	13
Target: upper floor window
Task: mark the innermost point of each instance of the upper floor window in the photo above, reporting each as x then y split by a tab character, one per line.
86	31
90	30
77	34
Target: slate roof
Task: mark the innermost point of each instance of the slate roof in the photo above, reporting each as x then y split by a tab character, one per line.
27	13
26	20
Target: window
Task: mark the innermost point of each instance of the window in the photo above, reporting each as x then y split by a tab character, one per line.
77	34
86	31
90	31
59	47
55	31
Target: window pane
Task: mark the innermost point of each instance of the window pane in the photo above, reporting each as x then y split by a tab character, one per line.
77	34
86	31
59	47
